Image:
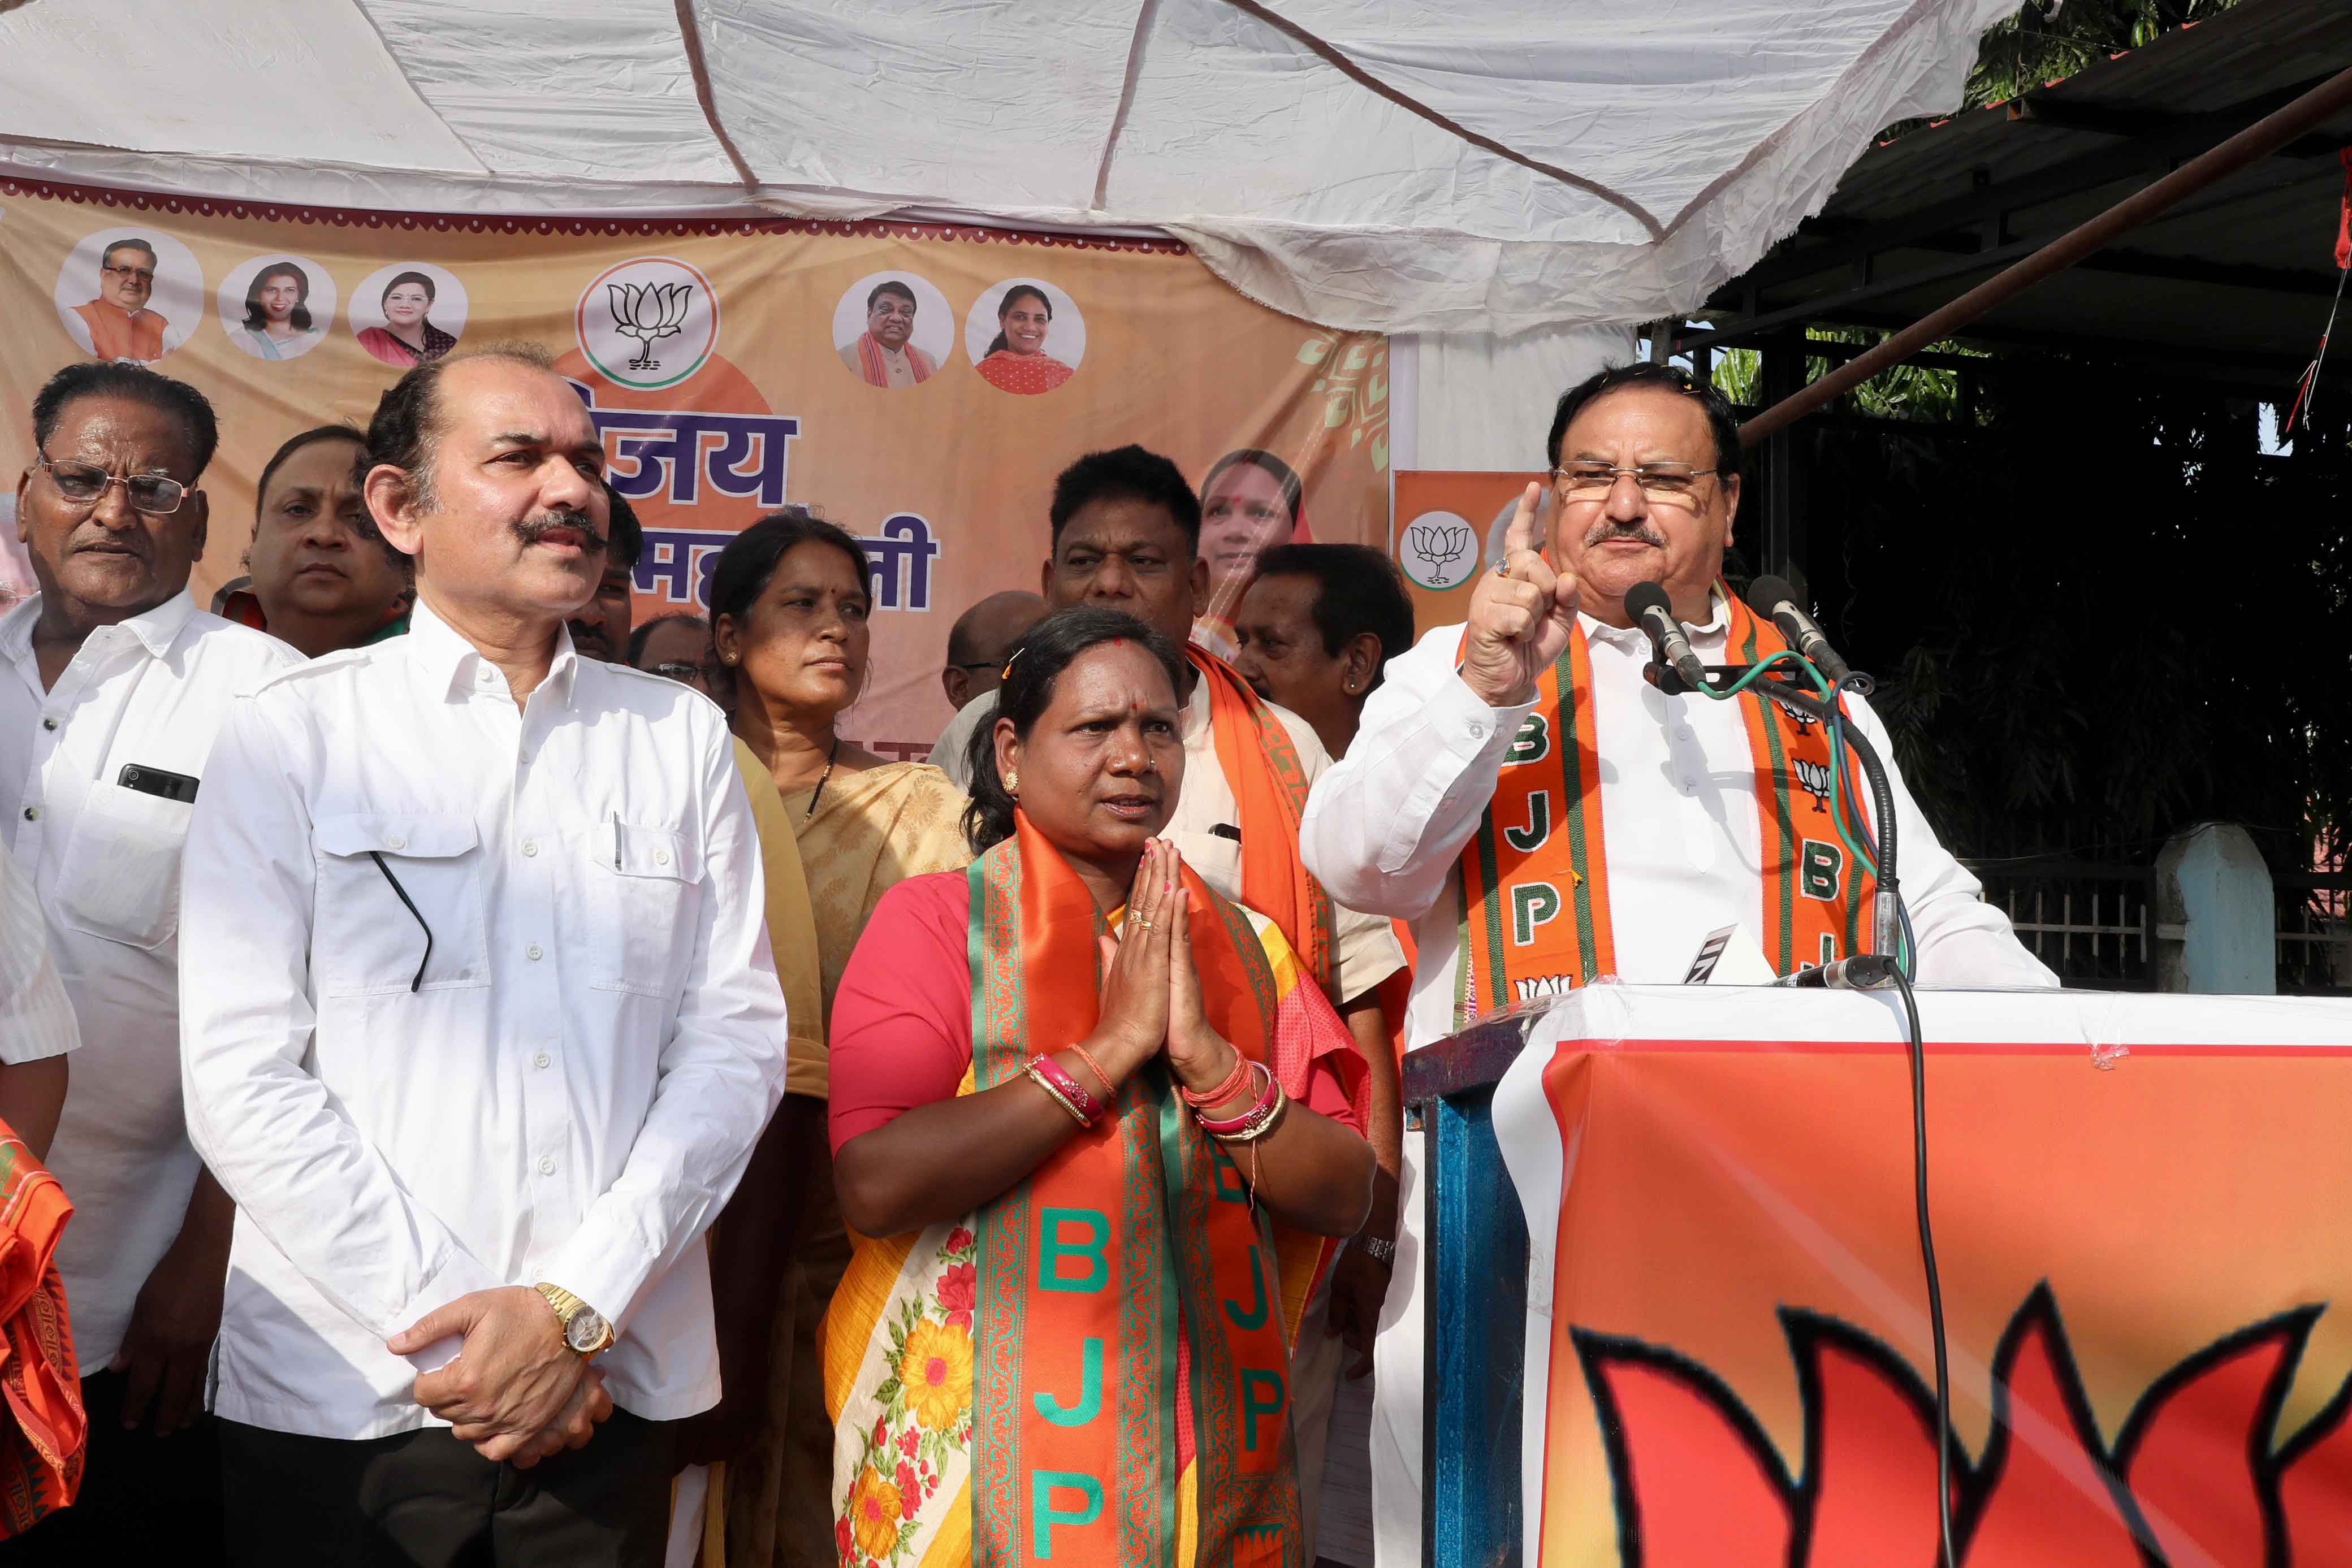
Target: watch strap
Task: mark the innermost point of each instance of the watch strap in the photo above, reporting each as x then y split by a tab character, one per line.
1379	1249
568	1306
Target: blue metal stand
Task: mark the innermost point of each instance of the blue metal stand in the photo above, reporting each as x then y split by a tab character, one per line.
1475	1295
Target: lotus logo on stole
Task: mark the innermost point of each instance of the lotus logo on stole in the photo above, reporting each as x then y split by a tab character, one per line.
649	322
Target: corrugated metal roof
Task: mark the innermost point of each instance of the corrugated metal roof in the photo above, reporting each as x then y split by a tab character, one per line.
2239	271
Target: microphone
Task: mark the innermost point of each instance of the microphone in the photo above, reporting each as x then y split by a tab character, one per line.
1772	598
1647	603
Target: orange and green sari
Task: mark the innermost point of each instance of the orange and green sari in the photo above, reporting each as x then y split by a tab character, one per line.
1093	1369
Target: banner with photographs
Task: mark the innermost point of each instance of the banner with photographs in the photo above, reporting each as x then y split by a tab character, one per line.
918	384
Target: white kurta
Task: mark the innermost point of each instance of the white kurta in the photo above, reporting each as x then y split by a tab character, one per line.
1385	830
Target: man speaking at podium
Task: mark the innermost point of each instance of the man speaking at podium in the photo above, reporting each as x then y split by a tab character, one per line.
1546	816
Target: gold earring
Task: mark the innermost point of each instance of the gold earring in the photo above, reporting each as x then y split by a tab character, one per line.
727	658
1012	783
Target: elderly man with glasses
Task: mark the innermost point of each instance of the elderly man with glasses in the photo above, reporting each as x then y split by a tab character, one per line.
1516	779
112	686
121	325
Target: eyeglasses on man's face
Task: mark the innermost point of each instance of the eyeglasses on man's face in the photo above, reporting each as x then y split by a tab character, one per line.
679	671
144	274
1667	483
84	483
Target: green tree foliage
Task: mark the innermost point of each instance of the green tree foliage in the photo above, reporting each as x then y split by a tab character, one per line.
2043	43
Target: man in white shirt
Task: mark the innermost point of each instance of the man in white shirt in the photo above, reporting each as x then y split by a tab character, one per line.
112	686
1610	834
480	1027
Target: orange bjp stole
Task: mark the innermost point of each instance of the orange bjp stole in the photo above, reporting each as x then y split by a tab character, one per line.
1269	786
41	1451
1535	878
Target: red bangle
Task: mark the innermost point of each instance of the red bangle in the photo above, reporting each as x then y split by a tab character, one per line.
1241	1123
1073	1092
1223	1091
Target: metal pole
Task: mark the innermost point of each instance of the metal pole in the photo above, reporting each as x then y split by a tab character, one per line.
2257	141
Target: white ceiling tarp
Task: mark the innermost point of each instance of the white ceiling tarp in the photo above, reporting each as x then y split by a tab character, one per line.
1390	165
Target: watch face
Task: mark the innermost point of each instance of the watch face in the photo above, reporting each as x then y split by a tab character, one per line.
585	1331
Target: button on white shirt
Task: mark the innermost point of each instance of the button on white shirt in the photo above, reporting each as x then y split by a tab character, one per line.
1385	828
148	694
564	1087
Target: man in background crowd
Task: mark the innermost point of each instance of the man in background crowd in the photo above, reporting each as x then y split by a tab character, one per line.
320	576
677	645
600	629
112	687
1316	628
480	1029
121	325
979	641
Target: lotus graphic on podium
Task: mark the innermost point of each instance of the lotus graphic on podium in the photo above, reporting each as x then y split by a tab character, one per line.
648	313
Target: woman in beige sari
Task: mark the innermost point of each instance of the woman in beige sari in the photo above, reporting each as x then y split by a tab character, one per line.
790	598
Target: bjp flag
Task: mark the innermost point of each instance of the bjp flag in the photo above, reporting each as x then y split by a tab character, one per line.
2140	1213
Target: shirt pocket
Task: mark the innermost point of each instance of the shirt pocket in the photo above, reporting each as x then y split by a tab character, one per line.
1214	859
646	898
399	904
120	877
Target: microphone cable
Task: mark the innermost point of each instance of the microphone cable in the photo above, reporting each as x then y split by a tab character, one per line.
1916	1045
1863	843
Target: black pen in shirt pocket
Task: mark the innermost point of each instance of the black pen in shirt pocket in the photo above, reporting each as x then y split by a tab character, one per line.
1226	831
157	781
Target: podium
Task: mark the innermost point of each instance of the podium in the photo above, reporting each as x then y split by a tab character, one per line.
1675	1313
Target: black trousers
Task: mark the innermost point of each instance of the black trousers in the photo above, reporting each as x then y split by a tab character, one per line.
142	1497
423	1500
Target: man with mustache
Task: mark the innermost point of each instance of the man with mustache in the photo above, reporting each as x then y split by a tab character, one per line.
113	686
121	325
482	1027
884	355
1686	814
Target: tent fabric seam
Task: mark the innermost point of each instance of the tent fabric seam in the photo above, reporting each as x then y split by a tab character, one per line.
1339	61
689	37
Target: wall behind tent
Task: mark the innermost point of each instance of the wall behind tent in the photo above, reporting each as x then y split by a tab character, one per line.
723	363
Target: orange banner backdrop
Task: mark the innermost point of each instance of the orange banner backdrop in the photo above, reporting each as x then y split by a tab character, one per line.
732	367
1445	518
2145	1273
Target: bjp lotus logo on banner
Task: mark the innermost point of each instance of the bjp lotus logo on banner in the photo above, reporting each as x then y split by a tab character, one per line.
2201	1471
647	323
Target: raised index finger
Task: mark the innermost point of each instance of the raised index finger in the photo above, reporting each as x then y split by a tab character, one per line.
1521	535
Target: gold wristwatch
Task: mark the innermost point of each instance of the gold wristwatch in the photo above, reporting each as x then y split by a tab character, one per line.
584	1328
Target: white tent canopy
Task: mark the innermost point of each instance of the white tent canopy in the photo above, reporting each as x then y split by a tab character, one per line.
1397	165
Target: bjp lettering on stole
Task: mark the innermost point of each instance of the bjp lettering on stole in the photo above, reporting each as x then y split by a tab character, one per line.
893	376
